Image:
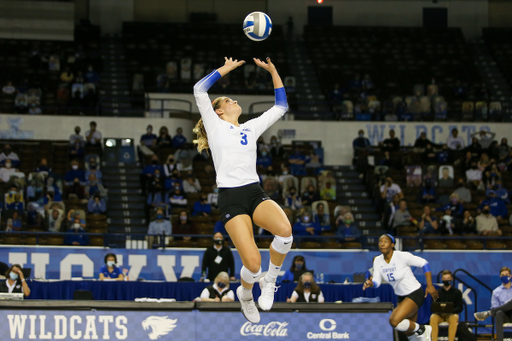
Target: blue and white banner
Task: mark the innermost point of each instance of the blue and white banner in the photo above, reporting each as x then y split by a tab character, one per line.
221	326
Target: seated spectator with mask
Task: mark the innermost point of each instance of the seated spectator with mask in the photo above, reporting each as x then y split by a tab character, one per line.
149	139
216	259
307	291
428	224
191	184
292	199
496	205
8	154
184	225
96	205
74	173
486	223
310	196
347	230
463	193
298	263
76	236
219	291
322	218
160	226
7	171
15	282
402	217
110	271
202	207
447	294
306	226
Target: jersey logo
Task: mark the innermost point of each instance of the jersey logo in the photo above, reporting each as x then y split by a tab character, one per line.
228	215
246	129
231	127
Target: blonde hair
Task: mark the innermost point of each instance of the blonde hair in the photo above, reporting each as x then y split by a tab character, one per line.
200	131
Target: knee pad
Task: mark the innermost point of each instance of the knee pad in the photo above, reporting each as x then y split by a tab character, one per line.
282	244
403	326
248	276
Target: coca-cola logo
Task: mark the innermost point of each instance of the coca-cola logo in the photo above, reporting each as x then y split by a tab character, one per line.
273	329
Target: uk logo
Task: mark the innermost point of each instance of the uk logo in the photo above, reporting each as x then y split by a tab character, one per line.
158	326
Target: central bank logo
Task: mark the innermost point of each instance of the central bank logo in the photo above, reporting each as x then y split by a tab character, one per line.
158	326
327	325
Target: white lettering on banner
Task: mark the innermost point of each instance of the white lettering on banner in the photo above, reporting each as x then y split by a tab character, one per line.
136	262
189	264
328	336
61	327
76	259
106	320
90	328
40	261
32	326
158	326
465	294
274	329
18	258
17	325
167	264
330	321
72	327
121	322
42	327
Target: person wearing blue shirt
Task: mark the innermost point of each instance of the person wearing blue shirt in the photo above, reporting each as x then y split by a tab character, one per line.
149	139
297	163
159	226
91	76
428	224
443	156
306	227
321	218
74	173
76	238
17	204
496	205
202	207
158	199
179	140
96	205
501	303
347	230
93	169
148	172
428	193
219	227
298	263
110	270
264	159
500	191
454	206
172	180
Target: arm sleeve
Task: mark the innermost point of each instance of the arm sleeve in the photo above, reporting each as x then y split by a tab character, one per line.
288	276
412	260
231	294
377	277
90	205
494	301
263	122
103	206
321	298
205	293
457	305
294	294
150	229
203	101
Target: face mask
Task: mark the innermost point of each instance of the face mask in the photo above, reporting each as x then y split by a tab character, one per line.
454	201
75	167
461	185
92	167
292	193
447	283
157	175
111	263
77	131
348	221
474	167
8	151
298	266
485	211
8	165
183	218
154	162
150	130
216	190
361	135
171	160
159	216
77	226
505	279
306	219
311	192
306	285
13	276
175	175
221	285
263	154
218	241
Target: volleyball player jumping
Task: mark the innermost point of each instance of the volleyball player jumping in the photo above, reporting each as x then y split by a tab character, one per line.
233	147
394	267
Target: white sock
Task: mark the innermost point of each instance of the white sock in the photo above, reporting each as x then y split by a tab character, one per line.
273	272
246	294
416	327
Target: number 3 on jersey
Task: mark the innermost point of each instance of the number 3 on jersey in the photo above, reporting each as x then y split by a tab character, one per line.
390	277
244	139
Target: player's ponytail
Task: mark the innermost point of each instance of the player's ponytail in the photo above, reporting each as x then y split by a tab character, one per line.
202	138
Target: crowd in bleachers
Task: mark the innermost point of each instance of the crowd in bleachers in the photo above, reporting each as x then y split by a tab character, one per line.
447	189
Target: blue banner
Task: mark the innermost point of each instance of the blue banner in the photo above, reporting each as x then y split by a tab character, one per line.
221	326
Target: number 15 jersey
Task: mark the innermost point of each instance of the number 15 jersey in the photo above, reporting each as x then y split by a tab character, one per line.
234	148
398	272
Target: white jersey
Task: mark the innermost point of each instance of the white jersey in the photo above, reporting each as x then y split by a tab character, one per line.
233	148
398	272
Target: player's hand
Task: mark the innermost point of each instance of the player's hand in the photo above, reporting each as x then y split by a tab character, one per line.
269	66
433	292
368	284
233	64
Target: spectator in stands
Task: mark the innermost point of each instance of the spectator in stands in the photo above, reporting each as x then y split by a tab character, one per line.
429	156
292	199
148	173
428	193
177	198
164	140
460	91
313	162
159	226
76	137
444	155
360	144
497	206
191	184
264	159
20	103
76	237
285	174
474	148
34	218
422	141
202	207
328	192
74	173
34	110
76	189
428	224
486	223
261	144
455	142
9	89
14	223
298	263
15	282
307	291
276	149
306	226
462	192
445	180
389	189
501	303
503	148
484	138
185	226
17	204
91	77
347	230
454	206
96	205
483	162
219	291
474	176
213	197
389	212
77	151
7	171
179	140
468	225
72	214
110	270
270	186
391	144
402	217
500	191
149	139
321	217
447	294
93	169
8	154
67	75
310	196
171	167
185	156
297	162
217	258
93	136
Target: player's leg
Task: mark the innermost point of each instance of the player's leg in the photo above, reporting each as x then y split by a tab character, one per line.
241	233
269	216
403	318
453	321
434	323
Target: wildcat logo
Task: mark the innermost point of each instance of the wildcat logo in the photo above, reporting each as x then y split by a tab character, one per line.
159	326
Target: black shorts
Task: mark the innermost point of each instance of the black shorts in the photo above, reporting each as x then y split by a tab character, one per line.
240	200
418	297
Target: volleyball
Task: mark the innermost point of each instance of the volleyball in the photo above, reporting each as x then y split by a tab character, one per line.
257	26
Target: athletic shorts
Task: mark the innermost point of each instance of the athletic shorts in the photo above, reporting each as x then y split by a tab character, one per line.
240	200
417	296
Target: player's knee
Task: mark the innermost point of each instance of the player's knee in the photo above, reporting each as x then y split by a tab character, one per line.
285	229
393	321
434	319
253	264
